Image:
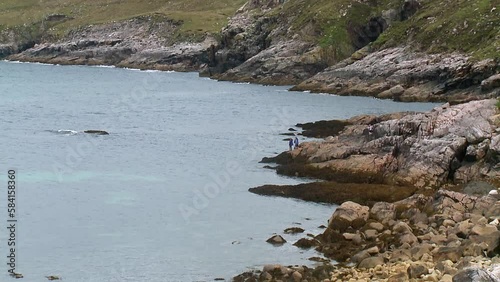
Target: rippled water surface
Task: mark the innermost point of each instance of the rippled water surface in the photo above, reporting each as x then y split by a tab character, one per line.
164	196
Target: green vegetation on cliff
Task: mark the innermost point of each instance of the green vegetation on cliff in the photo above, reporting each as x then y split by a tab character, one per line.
469	26
340	27
197	17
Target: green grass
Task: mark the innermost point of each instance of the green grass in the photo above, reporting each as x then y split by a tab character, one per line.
198	16
469	26
330	21
498	103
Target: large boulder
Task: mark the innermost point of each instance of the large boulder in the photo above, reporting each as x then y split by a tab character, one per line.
371	262
349	214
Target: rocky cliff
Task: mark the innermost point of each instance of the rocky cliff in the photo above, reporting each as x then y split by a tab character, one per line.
388	49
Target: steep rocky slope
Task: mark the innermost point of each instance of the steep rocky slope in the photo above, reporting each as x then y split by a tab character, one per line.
400	49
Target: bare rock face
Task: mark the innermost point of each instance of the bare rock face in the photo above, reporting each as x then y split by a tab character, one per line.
475	274
259	47
491	82
286	62
143	42
401	74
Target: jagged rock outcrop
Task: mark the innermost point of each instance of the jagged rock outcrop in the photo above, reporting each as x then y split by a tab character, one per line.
405	75
144	42
450	144
259	47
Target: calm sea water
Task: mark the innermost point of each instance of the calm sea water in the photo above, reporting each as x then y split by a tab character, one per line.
164	196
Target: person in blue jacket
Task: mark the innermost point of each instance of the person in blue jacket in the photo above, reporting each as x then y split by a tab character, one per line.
290	144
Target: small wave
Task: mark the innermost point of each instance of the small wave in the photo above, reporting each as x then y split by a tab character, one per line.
132	69
64	131
67	131
146	70
103	66
32	63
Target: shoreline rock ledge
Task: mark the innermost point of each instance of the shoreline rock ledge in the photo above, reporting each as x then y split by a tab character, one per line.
447	146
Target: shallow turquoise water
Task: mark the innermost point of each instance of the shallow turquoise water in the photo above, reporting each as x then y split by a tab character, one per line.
164	196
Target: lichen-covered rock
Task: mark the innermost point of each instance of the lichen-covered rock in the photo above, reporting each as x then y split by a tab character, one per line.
474	274
425	77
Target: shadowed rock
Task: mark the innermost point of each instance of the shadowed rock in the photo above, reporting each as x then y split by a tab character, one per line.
337	193
96	132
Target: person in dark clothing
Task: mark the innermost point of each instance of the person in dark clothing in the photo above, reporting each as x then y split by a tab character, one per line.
290	144
296	142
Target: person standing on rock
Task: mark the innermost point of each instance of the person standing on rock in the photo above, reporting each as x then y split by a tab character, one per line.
290	144
370	131
296	142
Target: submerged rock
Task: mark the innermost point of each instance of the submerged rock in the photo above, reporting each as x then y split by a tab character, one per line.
276	240
96	132
293	230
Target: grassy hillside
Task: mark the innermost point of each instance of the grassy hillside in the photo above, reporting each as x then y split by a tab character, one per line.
470	26
197	16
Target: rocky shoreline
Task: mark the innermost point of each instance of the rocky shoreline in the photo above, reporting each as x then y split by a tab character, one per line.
444	226
262	43
449	236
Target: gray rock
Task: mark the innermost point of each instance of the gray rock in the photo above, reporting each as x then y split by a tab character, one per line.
296	276
408	238
382	70
371	234
359	257
376	225
371	262
276	240
474	274
491	82
487	229
349	214
402	228
383	212
400	277
416	270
